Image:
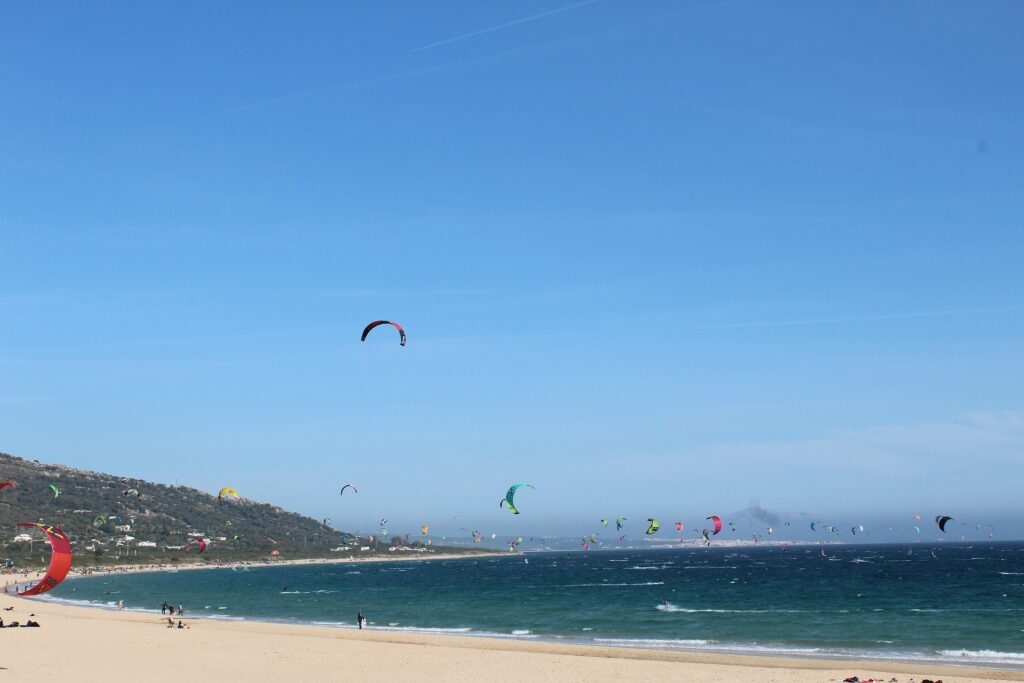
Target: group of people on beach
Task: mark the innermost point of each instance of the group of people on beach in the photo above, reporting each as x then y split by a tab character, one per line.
168	608
30	623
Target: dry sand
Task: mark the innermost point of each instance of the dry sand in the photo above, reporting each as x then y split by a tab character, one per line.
91	644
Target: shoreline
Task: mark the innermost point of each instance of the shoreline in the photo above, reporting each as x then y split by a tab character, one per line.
120	643
106	570
734	650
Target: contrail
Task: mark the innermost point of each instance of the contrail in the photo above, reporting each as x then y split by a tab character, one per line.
505	25
857	319
387	77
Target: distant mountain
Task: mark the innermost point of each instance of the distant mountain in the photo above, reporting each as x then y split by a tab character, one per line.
108	522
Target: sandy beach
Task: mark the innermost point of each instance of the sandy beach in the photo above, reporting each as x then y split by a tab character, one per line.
91	644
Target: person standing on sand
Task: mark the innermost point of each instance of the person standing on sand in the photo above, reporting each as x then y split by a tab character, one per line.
360	619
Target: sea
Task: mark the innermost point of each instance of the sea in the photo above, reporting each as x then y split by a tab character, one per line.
955	604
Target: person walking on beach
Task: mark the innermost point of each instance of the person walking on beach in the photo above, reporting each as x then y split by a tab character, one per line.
360	619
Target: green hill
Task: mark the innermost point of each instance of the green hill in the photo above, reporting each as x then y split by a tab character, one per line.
108	526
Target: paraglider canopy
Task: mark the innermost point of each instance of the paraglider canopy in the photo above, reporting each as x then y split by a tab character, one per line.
228	491
375	323
60	559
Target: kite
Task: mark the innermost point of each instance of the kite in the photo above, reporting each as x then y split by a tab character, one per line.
425	529
510	495
622	538
853	531
56	491
375	323
618	523
5	484
941	521
604	522
60	559
814	526
732	526
718	524
347	486
593	538
679	526
917	530
227	491
653	528
383	522
706	538
771	530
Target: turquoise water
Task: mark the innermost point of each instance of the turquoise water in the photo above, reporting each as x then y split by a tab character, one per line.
963	604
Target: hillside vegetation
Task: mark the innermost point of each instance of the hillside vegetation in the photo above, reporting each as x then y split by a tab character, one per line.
160	524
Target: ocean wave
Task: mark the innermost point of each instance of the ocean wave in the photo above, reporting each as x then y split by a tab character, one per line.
707	566
652	642
669	607
985	655
644	567
610	585
1011	573
424	629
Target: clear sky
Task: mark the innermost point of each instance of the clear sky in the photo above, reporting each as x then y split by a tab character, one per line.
666	258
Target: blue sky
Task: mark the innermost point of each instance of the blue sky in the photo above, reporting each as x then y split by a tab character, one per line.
662	258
